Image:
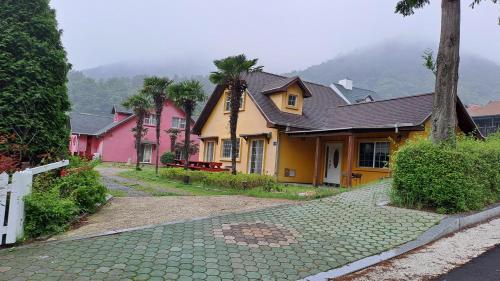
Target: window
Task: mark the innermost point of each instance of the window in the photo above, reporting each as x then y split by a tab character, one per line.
150	120
179	155
178	123
227	102
256	157
373	154
226	148
147	151
209	151
292	100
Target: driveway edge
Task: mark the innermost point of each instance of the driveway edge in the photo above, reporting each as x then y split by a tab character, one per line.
447	226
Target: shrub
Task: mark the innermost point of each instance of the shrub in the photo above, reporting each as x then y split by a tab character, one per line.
47	213
222	179
447	178
84	188
56	201
167	158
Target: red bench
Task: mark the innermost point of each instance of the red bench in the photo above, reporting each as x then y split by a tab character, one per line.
200	166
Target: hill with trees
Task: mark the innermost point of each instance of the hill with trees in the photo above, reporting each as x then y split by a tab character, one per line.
396	69
392	70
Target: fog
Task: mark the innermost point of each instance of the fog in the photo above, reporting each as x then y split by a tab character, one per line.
284	34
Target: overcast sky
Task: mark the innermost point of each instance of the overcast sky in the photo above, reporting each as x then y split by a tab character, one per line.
285	34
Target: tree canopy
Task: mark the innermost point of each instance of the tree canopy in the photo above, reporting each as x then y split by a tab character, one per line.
229	69
33	71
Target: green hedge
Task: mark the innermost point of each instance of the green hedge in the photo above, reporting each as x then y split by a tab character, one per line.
222	179
447	178
57	201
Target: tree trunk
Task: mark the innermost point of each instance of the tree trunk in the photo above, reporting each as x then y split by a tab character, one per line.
138	137
173	140
233	122
158	122
188	109
444	117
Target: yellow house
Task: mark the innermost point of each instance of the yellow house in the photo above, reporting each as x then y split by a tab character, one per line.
302	132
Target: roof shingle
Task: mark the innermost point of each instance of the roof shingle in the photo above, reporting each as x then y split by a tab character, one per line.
88	124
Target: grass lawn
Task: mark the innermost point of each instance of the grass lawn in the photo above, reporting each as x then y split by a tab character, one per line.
289	191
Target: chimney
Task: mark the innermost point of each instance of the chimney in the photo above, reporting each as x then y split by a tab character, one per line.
346	83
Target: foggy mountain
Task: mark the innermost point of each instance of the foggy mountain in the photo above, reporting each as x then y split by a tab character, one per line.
391	70
394	70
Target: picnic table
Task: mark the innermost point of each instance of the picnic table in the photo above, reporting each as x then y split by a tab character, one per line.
200	166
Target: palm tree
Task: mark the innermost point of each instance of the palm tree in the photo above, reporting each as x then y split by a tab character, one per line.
156	88
229	75
140	105
186	94
173	133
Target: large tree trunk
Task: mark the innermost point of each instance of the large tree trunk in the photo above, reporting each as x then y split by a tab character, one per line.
188	109
233	122
158	122
444	117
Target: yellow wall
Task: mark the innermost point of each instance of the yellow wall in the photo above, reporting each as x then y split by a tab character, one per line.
250	121
280	99
297	154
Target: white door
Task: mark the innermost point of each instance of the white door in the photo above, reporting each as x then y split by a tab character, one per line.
333	160
147	151
256	157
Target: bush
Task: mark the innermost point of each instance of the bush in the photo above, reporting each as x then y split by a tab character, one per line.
447	178
222	179
47	213
167	158
84	188
56	201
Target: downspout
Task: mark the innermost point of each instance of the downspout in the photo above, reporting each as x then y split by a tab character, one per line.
396	129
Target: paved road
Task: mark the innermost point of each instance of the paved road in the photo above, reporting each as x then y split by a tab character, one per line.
279	243
486	267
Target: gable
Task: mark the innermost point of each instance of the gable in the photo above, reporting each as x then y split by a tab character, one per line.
217	120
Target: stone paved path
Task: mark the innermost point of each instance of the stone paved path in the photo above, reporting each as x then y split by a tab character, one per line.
111	179
280	243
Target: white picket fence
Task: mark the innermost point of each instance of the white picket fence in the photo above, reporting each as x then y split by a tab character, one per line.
11	200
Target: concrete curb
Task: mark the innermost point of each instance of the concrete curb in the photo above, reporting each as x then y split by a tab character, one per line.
447	226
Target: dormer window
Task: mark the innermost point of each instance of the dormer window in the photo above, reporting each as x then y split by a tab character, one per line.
292	101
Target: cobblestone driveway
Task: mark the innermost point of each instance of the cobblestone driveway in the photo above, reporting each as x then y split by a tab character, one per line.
280	243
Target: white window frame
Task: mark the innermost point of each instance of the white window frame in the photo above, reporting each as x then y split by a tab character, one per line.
227	102
374	153
143	147
179	123
296	98
222	148
250	156
209	153
150	120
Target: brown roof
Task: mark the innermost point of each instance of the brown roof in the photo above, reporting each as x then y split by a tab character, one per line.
491	108
322	98
325	110
281	85
403	111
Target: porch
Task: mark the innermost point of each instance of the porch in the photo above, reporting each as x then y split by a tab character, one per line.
347	158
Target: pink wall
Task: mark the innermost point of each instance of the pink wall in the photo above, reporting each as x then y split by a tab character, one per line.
78	140
119	116
118	145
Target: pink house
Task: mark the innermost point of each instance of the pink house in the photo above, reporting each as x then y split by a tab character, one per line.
111	137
